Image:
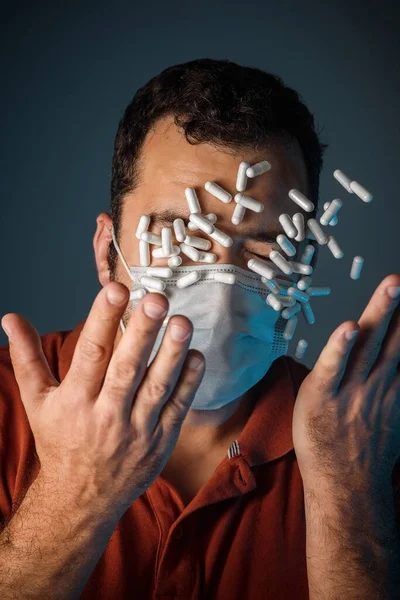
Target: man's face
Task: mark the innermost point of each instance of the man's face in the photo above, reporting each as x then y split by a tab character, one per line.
169	164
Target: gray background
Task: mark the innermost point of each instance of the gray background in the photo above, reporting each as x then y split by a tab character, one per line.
70	69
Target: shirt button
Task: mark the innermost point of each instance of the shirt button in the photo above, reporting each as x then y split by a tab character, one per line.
178	533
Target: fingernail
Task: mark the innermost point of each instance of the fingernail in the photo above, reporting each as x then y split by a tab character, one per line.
180	334
393	292
350	335
153	310
194	362
7	330
115	297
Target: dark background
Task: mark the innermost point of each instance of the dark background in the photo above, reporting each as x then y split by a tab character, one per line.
68	72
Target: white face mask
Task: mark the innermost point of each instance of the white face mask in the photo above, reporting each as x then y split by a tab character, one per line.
239	334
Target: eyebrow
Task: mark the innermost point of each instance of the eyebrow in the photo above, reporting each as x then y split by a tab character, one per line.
167	216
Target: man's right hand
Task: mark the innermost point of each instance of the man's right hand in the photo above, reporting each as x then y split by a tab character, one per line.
106	432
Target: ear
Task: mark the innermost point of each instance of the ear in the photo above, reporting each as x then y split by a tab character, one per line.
101	243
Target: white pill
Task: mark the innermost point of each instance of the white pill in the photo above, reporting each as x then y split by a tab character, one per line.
334	247
258	169
286	245
331	211
225	277
309	235
298	294
197	242
343	180
361	192
137	294
151	238
218	192
334	220
207	257
179	229
288	313
221	237
271	284
317	231
238	214
298	221
304	283
174	261
192	200
273	301
150	282
301	348
144	253
281	262
288	225
287	300
261	268
163	272
301	200
158	252
190	252
307	255
202	223
318	291
290	328
308	313
211	217
241	180
299	267
356	267
249	202
166	240
142	226
188	279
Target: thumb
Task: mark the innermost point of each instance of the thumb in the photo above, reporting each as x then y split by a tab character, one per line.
31	369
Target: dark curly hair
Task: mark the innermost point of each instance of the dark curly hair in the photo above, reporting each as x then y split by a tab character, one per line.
217	102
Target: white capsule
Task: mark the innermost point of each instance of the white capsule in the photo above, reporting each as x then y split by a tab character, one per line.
197	242
211	217
166	240
238	214
221	237
218	192
281	262
334	220
288	225
202	223
249	202
356	267
343	180
158	252
163	272
299	267
290	328
192	200
261	268
151	238
304	283
298	221
335	248
274	302
188	279
271	284
174	261
287	300
331	211
225	277
309	235
317	231
301	349
207	257
144	253
307	255
288	313
241	180
179	229
318	291
286	245
190	252
298	294
142	226
308	313
137	294
361	192
301	200
258	169
153	284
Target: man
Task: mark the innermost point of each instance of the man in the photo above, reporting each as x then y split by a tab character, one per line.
149	485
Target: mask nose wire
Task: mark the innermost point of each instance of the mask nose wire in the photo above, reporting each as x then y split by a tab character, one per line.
125	266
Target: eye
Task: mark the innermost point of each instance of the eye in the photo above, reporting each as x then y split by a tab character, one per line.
262	256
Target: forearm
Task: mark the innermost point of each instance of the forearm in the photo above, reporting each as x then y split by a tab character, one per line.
352	545
50	547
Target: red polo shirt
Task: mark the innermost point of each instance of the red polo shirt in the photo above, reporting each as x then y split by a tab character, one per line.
241	538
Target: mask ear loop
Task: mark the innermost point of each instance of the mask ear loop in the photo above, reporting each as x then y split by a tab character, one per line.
116	246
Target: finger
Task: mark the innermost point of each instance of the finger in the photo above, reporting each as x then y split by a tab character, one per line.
96	341
31	369
386	365
328	371
374	324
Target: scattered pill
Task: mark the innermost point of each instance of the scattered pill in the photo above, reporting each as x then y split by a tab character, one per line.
271	284
137	294
258	169
301	200
179	229
221	237
192	200
307	255
290	328
288	225
288	313
287	300
301	349
356	267
280	262
361	192
304	283
218	192
317	231
301	268
188	279
343	180
335	248
298	294
142	226
274	302
207	257
190	252
144	253
298	221
151	238
334	220
318	291
174	261
331	211
238	214
152	283
286	245
202	223
308	313
225	277
163	272
197	242
261	268
158	252
211	218
249	202
166	240
241	180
